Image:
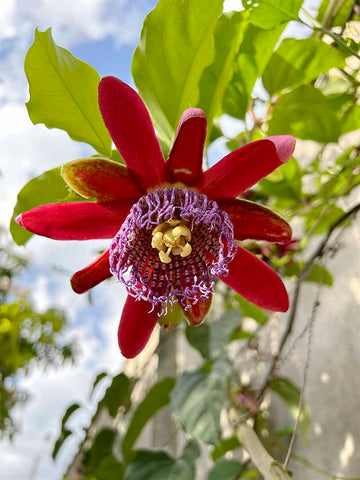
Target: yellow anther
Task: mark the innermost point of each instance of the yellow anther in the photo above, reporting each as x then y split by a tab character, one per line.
158	242
164	257
182	231
177	250
186	250
173	237
160	228
169	238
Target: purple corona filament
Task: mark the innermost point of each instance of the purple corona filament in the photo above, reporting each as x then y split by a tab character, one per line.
136	263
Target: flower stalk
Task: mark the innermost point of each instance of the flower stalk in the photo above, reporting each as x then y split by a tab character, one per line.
264	462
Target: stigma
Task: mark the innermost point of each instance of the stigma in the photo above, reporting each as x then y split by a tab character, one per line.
171	237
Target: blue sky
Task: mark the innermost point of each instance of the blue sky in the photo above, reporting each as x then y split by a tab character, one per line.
103	33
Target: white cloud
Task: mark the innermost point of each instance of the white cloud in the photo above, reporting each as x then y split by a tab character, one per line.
7	29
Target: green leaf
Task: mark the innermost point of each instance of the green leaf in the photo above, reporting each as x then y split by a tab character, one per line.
97	380
211	338
157	397
225	470
63	93
228	36
297	62
254	54
70	410
64	432
319	219
159	465
268	13
226	445
48	187
308	114
197	400
100	456
117	394
252	311
351	120
317	274
109	468
285	182
176	46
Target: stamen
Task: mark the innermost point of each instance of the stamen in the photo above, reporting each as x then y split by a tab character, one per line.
170	246
176	238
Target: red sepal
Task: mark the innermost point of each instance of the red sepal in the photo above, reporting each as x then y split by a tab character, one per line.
90	276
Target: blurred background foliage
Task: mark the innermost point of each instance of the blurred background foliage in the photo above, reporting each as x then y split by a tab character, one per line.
242	70
27	337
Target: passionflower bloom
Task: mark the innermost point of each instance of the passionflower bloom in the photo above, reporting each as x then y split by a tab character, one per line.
173	227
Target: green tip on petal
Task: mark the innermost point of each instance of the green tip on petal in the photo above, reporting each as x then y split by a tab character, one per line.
100	178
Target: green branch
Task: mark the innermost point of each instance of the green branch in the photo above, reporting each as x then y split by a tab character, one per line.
338	40
269	468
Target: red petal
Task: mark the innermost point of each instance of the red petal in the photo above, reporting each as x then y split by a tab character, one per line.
76	220
256	282
197	311
252	221
136	326
101	179
129	125
244	167
186	156
91	275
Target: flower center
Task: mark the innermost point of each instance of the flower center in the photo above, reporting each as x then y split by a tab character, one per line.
170	246
171	237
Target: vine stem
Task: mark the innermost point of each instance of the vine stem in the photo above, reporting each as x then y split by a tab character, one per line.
317	26
264	462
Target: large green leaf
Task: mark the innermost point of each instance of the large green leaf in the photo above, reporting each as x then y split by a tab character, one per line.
197	400
228	36
296	62
211	338
268	13
176	46
156	398
308	114
225	470
48	187
254	54
63	93
159	465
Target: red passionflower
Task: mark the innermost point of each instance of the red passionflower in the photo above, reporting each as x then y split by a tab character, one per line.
173	225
